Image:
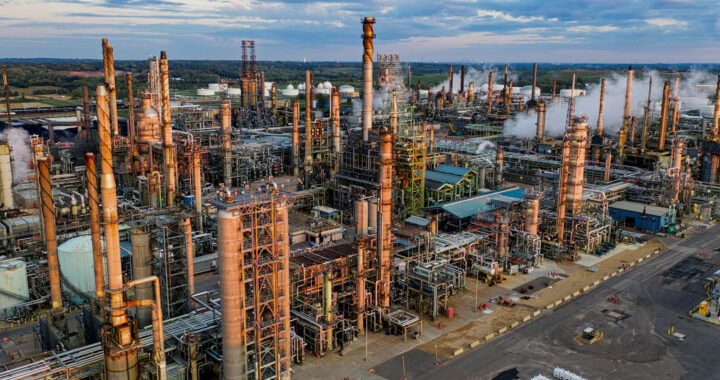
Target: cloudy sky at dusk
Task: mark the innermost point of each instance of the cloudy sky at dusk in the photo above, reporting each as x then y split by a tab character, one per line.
439	30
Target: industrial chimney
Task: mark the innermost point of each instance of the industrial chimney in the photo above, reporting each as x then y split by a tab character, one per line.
368	36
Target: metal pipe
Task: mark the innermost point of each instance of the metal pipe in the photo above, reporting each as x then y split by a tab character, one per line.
296	139
49	230
232	291
94	205
599	130
142	267
197	180
663	115
109	61
622	136
368	51
716	113
168	144
226	127
7	97
157	320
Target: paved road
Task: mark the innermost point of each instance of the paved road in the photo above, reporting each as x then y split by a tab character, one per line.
655	295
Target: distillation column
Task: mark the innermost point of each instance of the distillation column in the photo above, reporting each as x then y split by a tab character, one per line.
94	205
295	152
384	240
367	101
622	136
48	214
226	126
168	145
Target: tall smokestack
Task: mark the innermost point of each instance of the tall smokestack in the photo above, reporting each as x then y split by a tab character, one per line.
109	63
308	127
86	111
599	130
335	117
646	119
471	93
226	127
384	239
131	114
168	144
490	92
7	97
663	115
554	88
273	100
716	113
540	120
48	209
505	88
360	286
631	137
532	94
296	139
120	349
451	82
368	51
676	104
462	79
622	136
6	178
197	180
94	205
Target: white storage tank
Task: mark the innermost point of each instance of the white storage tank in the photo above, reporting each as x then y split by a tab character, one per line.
76	263
215	87
234	91
205	92
346	90
566	92
527	91
13	281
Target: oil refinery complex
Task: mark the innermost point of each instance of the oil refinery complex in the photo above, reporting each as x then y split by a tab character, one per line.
256	237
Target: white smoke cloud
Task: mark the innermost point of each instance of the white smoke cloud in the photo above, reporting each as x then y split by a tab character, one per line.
691	97
19	141
479	76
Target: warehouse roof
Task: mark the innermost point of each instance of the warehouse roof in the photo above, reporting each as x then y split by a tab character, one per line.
639	207
468	207
443	177
454	170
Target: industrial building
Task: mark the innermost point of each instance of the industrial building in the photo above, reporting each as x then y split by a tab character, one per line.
233	240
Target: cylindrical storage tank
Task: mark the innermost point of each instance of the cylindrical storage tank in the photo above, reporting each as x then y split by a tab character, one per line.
361	219
13	282
76	264
205	92
372	214
346	90
234	91
215	87
290	92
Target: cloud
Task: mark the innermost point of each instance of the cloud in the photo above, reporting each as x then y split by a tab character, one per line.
592	29
497	15
667	23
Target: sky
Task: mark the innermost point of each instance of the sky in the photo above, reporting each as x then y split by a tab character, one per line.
603	31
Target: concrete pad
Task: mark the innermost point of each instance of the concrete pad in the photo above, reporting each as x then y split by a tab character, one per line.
514	324
489	336
502	330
